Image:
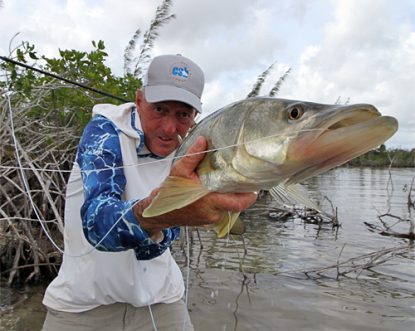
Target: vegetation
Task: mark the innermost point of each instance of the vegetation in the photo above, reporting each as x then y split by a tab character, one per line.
41	126
65	102
381	157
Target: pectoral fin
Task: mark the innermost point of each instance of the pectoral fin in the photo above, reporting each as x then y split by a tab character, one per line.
294	194
175	193
224	226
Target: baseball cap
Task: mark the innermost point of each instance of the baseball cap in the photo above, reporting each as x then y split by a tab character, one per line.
174	78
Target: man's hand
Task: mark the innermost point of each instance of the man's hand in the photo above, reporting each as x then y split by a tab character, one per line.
207	210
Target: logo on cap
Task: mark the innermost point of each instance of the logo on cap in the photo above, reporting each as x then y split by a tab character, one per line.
180	71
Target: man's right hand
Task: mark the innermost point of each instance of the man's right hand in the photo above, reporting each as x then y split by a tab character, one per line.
205	211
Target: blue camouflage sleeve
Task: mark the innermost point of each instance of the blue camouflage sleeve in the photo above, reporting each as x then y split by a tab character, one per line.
108	221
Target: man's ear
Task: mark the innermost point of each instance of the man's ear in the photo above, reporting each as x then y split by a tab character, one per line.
138	98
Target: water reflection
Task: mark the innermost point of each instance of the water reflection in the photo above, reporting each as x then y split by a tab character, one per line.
264	288
227	300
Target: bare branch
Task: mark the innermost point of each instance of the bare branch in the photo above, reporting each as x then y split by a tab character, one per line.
129	58
279	82
259	82
162	17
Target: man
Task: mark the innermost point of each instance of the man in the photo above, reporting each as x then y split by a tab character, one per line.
117	271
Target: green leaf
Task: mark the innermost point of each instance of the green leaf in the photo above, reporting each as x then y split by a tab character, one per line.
33	56
20	56
101	45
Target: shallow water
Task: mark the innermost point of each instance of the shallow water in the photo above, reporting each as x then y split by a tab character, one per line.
265	288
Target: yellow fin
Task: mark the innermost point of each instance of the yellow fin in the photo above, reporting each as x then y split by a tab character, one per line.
205	166
175	193
224	226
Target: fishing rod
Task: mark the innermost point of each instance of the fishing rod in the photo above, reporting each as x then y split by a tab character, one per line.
26	66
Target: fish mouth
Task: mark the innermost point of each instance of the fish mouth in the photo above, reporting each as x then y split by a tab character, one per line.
341	135
348	116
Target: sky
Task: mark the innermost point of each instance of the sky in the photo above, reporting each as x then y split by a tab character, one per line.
356	51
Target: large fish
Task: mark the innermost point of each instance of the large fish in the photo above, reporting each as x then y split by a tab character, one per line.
260	143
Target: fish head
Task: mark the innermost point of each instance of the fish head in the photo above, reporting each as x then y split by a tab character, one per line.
303	139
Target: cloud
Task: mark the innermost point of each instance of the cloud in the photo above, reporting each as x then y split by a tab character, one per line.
220	35
365	55
357	49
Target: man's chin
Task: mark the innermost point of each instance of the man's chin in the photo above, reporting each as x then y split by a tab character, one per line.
164	148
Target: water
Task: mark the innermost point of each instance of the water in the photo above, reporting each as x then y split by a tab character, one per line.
265	287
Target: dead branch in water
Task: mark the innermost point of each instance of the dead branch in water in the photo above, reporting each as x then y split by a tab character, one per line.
352	266
388	221
307	215
357	264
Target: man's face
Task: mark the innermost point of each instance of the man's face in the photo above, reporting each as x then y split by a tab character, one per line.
163	123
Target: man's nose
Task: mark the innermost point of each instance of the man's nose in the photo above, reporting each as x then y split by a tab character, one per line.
169	124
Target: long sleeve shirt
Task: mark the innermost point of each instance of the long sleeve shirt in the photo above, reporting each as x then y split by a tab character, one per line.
108	221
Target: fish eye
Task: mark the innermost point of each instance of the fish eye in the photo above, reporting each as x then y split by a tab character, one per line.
295	112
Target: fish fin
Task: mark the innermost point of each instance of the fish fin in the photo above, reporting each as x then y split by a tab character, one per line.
224	226
293	194
175	193
206	166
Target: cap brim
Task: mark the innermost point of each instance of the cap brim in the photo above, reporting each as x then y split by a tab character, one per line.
171	93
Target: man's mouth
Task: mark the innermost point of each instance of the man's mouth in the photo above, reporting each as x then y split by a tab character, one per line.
166	139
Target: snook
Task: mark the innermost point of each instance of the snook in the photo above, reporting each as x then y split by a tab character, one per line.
258	143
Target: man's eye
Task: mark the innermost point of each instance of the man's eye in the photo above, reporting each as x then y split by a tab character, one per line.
158	109
184	115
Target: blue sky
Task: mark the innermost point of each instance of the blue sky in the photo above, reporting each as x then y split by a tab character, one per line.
362	50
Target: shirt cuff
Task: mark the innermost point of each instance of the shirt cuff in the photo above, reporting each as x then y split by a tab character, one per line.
145	247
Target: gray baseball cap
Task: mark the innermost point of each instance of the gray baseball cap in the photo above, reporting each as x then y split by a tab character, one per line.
174	78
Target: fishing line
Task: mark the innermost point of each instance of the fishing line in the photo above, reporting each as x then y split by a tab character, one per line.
228	234
26	185
187	280
152	317
25	219
324	176
26	66
97	170
27	189
212	150
22	173
21	169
